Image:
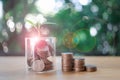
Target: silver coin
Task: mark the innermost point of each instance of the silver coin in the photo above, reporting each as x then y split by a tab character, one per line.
38	65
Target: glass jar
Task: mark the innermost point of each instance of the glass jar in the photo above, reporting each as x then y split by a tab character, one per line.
40	54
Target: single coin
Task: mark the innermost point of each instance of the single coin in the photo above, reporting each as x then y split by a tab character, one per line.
42	54
38	65
29	61
67	70
67	55
51	58
91	68
67	63
79	59
79	69
79	64
67	67
36	56
46	61
82	66
67	60
51	49
48	67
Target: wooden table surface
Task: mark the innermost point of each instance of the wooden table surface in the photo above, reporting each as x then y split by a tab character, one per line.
13	68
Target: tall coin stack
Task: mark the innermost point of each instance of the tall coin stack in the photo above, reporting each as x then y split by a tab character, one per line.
67	62
79	64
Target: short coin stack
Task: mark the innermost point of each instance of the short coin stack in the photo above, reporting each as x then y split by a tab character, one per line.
75	64
67	62
79	64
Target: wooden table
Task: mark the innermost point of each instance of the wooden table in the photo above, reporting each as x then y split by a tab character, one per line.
13	68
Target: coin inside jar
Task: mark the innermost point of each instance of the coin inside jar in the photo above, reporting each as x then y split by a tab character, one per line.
46	61
48	67
42	54
38	65
29	61
51	58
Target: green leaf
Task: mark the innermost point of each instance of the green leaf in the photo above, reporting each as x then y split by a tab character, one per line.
30	22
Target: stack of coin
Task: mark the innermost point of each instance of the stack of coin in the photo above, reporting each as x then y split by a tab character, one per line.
75	64
79	64
67	62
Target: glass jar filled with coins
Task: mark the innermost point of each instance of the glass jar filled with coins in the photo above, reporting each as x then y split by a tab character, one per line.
40	54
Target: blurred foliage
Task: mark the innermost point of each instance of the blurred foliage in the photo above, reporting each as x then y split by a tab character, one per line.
108	13
104	15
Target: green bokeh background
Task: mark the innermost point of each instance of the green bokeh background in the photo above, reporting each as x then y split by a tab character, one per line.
69	21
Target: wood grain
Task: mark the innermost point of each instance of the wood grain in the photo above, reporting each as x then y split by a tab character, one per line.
13	68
